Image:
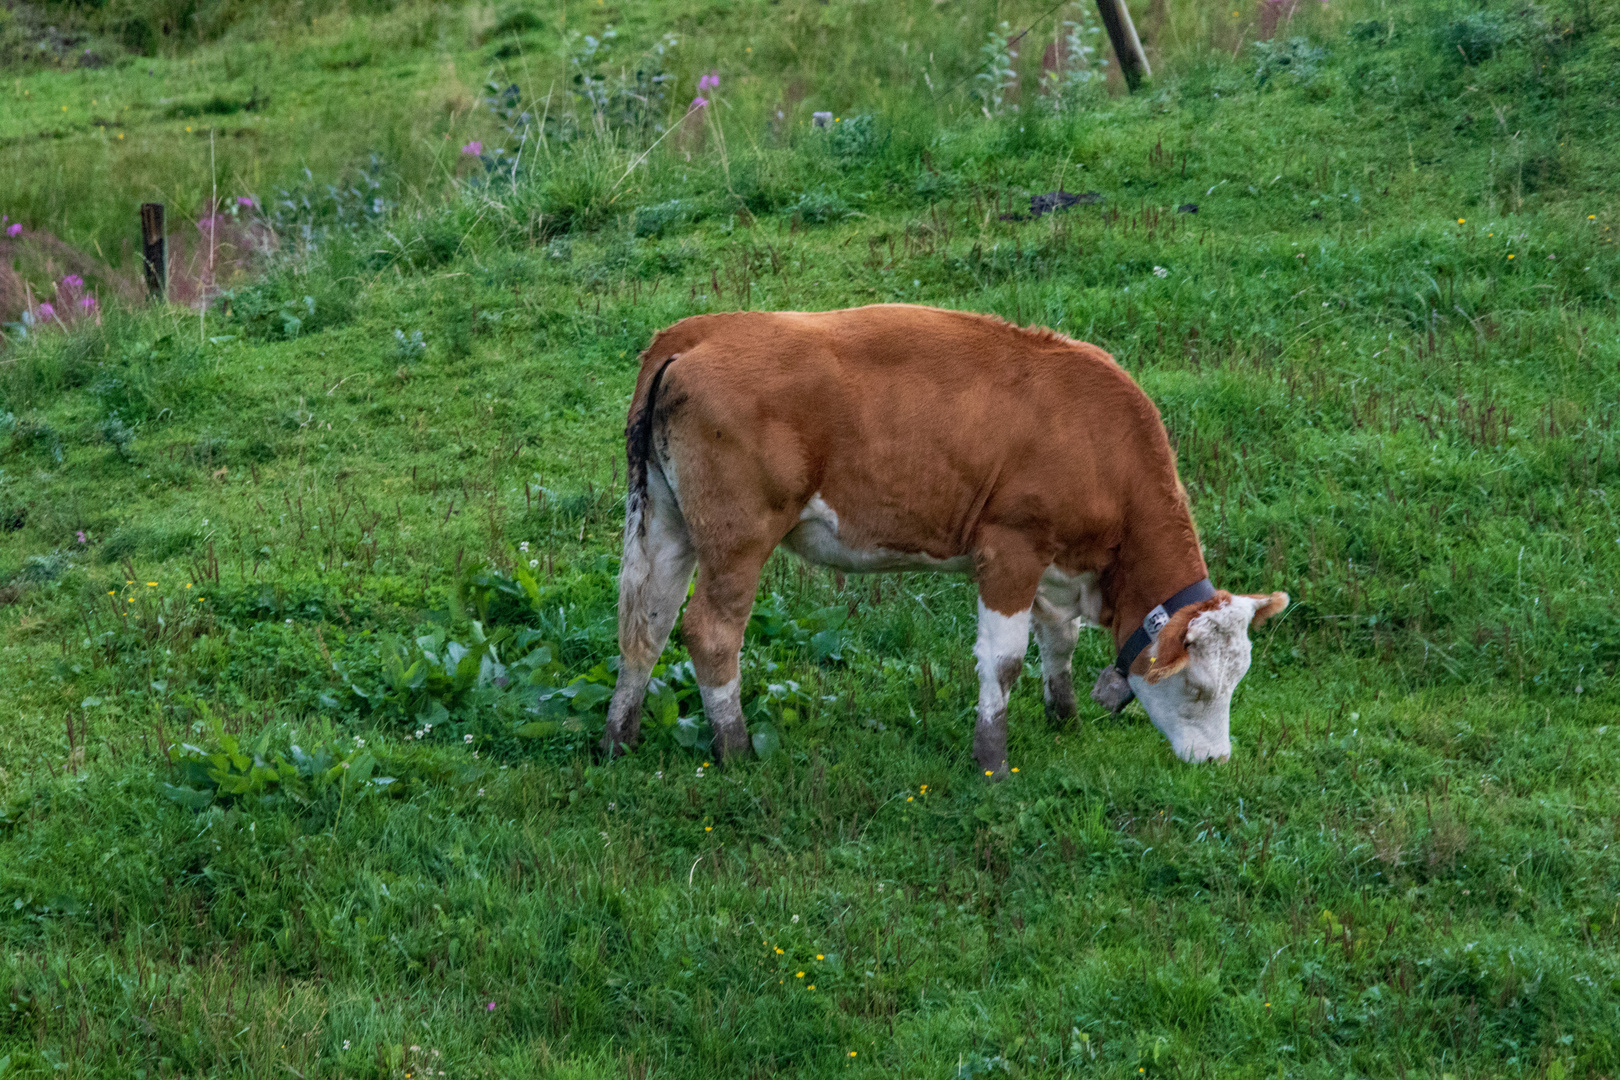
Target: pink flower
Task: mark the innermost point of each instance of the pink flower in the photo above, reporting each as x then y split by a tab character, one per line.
80	535
72	283
711	81
490	1006
473	149
247	200
698	103
46	311
87	302
14	230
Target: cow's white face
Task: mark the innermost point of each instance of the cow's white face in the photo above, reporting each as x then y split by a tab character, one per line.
1190	700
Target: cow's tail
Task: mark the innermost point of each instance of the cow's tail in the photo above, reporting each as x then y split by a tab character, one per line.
638	446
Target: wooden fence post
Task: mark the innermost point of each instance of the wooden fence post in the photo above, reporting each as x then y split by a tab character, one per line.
1127	46
152	250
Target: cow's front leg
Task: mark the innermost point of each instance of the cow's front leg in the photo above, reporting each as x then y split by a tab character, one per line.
716	617
1057	634
1003	639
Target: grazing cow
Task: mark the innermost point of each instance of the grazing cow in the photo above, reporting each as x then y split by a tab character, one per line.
896	437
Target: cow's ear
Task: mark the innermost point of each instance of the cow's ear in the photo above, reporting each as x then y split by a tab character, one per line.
1167	658
1168	653
1267	606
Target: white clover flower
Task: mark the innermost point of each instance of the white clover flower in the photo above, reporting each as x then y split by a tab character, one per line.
480	792
467	739
524	546
533	563
345	1044
1159	271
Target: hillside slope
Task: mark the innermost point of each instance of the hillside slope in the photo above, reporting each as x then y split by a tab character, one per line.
356	518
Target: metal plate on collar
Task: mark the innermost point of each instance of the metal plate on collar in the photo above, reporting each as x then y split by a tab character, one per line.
1154	621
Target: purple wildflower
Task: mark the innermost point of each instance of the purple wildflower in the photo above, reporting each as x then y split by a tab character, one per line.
46	310
14	230
490	1006
80	535
711	81
473	149
72	283
87	302
699	102
247	200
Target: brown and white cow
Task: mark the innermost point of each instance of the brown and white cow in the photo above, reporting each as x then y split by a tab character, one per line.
896	437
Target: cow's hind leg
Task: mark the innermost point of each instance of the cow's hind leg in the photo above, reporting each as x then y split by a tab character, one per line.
653	576
715	621
1007	584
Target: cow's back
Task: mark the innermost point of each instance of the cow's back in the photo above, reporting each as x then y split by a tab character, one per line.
917	424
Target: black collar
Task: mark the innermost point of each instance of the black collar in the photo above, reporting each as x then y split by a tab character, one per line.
1154	621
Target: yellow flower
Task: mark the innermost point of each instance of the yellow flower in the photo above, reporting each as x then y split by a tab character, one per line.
778	952
120	134
188	584
188	127
908	798
705	764
151	584
987	772
852	1053
1461	220
708	828
1015	768
812	986
800	975
1591	217
1510	256
820	957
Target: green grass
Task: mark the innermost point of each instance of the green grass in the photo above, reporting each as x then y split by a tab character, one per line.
285	505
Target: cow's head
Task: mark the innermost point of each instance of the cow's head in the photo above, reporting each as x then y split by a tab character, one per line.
1193	667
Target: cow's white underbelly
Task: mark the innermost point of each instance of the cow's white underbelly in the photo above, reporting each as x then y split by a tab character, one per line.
815	539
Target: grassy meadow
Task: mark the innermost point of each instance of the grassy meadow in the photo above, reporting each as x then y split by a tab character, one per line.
307	593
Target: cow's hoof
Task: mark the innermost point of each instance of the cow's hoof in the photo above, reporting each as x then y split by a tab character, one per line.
1060	704
616	744
731	743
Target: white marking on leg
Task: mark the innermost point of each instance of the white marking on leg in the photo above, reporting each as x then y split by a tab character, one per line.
722	705
653	574
999	650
